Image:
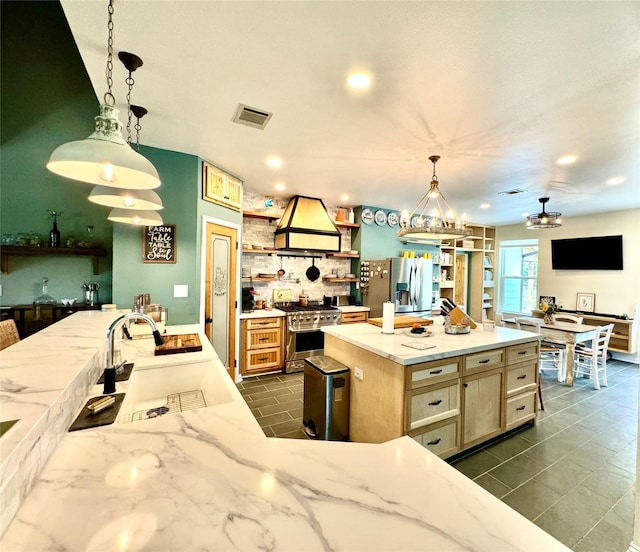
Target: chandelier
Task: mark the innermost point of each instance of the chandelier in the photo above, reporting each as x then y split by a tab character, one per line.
104	157
440	224
544	219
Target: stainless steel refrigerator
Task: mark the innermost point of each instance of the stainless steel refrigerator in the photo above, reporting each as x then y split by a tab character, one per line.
405	281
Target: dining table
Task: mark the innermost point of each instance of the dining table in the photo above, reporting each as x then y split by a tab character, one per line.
568	333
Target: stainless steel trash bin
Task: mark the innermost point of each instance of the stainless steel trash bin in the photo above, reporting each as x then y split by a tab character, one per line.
325	413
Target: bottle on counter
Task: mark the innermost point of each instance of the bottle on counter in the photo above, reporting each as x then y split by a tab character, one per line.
54	235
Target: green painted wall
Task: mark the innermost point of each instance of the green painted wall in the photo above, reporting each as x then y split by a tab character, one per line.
180	191
44	106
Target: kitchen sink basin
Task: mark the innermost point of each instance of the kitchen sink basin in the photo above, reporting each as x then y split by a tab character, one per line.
152	392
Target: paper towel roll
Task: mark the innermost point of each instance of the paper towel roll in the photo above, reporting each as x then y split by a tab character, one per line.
388	314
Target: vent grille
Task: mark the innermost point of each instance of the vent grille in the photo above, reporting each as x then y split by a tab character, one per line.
250	116
512	192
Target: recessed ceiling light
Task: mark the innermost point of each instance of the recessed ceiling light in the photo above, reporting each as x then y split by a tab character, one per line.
616	180
566	160
280	186
274	162
485	205
344	197
359	80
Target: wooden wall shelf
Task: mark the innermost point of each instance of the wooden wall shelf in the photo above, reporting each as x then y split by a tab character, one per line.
27	251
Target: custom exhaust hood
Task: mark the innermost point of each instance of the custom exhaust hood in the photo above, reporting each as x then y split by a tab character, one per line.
307	226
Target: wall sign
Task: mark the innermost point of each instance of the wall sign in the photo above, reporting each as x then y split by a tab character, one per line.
159	244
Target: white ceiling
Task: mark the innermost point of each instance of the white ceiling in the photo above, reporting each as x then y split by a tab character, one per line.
500	90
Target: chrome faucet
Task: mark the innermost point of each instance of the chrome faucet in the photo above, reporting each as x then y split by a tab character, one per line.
110	370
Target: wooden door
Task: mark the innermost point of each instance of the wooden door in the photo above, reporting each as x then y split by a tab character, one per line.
461	279
221	306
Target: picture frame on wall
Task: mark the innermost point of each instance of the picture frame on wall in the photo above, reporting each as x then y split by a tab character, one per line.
586	302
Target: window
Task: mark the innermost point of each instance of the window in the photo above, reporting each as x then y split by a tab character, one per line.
518	276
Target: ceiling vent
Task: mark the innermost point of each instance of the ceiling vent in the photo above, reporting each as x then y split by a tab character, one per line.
250	116
512	192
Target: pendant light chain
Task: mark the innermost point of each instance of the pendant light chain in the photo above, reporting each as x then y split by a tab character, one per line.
130	82
138	127
108	95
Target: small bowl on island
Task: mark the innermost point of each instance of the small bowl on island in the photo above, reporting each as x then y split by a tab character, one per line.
69	302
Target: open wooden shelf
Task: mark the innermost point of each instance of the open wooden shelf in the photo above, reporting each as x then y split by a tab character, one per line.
346	224
344	255
25	251
329	279
261	215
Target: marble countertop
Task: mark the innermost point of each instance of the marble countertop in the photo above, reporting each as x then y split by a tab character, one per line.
391	346
354	308
262	313
209	479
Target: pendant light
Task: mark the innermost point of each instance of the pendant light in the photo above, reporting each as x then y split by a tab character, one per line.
544	219
137	217
441	224
104	157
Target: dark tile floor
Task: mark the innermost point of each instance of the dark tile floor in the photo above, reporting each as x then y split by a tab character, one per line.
572	473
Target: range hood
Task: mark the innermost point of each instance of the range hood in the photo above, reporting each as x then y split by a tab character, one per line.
307	226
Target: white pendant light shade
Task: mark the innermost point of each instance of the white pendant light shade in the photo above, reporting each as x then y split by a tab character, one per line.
146	200
104	158
134	216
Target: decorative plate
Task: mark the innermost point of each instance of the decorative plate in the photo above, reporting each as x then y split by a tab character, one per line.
367	216
415	221
393	219
381	217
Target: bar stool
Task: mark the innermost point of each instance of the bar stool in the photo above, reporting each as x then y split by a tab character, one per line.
8	333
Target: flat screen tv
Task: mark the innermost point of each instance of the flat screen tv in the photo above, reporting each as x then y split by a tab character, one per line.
597	253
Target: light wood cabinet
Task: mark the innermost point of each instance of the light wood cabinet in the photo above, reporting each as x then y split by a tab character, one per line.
446	405
354	317
262	345
221	187
481	406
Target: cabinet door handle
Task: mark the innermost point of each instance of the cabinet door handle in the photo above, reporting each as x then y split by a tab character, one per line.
484	361
263	339
522	352
520	408
263	358
435	372
434	442
435	403
524	376
465	385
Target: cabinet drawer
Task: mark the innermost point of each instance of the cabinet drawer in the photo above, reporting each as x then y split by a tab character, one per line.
522	352
352	317
260	323
520	409
521	377
432	404
441	439
264	358
428	373
484	360
258	339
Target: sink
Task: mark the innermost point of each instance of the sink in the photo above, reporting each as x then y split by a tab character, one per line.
156	391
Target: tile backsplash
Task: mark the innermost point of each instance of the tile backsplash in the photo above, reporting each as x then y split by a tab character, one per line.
260	232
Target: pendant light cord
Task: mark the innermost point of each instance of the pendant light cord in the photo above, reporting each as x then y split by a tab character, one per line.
108	95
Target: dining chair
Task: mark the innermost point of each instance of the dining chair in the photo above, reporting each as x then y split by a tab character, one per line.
589	361
551	357
568	318
8	333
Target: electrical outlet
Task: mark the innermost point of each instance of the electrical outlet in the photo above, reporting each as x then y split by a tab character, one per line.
359	373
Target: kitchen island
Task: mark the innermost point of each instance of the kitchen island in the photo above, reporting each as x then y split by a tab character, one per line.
461	391
209	479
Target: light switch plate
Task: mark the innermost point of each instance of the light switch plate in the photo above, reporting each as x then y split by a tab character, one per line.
181	290
281	295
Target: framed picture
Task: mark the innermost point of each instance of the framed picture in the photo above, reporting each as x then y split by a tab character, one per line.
159	244
549	299
586	302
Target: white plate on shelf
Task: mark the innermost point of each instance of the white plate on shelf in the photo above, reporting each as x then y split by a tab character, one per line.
426	333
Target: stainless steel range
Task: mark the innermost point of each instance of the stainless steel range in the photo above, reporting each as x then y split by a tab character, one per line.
304	336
